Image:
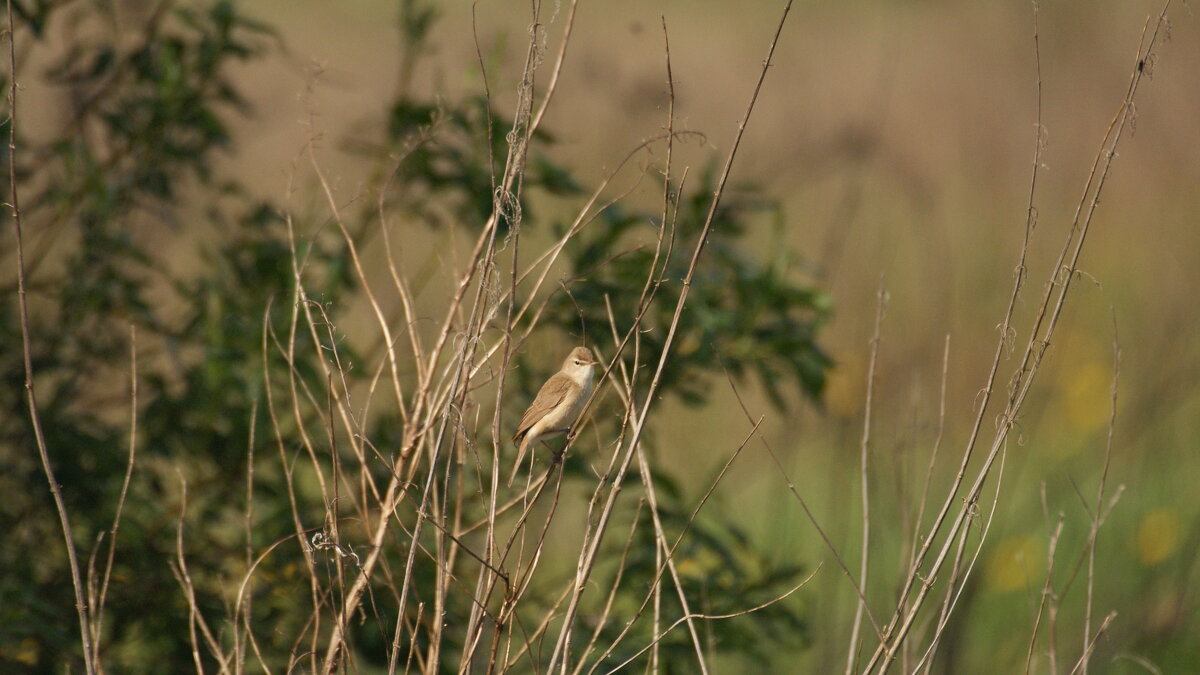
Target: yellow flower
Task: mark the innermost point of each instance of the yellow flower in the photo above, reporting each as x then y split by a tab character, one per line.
1015	563
845	388
1087	396
1158	536
27	653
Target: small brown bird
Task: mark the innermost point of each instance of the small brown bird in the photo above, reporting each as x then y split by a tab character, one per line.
557	403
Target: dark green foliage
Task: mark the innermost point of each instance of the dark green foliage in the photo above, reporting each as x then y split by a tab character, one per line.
447	159
33	13
145	121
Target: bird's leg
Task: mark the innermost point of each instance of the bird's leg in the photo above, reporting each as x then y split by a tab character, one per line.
571	432
558	453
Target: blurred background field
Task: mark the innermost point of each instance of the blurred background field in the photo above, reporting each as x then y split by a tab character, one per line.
898	139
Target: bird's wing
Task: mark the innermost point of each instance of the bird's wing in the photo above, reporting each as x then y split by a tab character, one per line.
548	397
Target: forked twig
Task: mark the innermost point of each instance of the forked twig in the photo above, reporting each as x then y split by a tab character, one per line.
732	615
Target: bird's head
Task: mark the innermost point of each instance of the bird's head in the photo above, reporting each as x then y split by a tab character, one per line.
579	363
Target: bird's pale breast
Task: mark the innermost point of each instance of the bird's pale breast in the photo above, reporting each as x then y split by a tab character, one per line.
564	414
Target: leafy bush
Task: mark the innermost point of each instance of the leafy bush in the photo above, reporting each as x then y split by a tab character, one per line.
234	385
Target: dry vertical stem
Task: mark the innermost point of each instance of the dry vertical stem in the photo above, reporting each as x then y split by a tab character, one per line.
852	656
661	546
943	617
514	169
558	64
953	595
928	481
661	549
937	444
195	617
1049	313
1097	514
98	600
1047	591
14	204
587	558
606	611
286	464
248	526
481	261
377	311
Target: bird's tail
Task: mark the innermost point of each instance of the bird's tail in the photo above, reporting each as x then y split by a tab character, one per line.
523	449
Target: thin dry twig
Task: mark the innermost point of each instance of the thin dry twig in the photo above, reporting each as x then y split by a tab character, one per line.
1047	591
195	616
837	556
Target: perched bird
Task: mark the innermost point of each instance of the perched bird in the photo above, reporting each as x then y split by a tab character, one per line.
557	403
